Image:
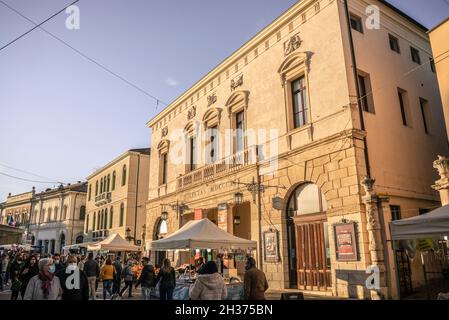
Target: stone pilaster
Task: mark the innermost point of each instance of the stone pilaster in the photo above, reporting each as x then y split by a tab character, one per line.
376	250
442	185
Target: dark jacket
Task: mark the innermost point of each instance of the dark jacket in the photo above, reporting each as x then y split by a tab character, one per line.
147	277
26	274
255	284
91	268
167	278
73	294
59	266
118	269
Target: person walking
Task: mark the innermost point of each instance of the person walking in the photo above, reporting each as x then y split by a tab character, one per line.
209	285
107	276
15	269
128	276
3	270
92	271
59	265
44	286
81	263
118	275
29	270
167	280
67	279
147	279
254	282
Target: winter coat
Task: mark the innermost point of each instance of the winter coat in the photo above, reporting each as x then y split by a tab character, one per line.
255	284
5	263
91	268
118	269
26	274
167	279
72	293
209	287
34	289
107	272
147	277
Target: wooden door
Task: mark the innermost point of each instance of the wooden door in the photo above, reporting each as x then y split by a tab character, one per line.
313	270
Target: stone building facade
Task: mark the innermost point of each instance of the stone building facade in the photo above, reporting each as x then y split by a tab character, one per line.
116	197
57	218
286	124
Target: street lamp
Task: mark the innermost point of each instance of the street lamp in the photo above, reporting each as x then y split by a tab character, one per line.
237	220
238	198
128	235
164	215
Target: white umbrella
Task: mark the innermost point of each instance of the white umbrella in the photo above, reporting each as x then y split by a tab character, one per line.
113	243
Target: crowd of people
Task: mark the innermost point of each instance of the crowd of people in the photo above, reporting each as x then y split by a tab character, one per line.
77	277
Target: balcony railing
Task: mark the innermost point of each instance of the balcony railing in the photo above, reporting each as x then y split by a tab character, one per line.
103	199
226	165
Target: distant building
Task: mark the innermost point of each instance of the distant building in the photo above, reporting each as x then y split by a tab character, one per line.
116	197
57	217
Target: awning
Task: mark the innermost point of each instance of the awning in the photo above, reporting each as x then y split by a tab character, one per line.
113	243
10	234
201	234
77	245
434	224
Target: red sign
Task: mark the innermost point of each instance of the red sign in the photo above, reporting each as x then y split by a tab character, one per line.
198	214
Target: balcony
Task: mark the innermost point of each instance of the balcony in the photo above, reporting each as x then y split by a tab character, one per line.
102	199
222	167
98	235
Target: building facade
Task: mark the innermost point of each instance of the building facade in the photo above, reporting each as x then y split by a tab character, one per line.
309	139
116	197
57	218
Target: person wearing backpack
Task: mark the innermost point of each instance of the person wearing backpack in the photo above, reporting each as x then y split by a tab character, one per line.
128	276
147	279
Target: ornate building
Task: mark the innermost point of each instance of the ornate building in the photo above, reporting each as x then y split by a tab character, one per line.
309	139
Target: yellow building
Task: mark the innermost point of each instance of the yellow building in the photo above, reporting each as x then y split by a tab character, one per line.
116	197
314	103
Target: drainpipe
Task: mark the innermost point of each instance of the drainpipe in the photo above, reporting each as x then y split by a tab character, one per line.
357	88
137	196
259	209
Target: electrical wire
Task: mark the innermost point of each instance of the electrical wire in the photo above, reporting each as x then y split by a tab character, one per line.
29	180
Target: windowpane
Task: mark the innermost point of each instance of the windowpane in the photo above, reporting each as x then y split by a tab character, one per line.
239	135
299	98
395	213
401	95
424	111
356	23
111	217
415	55
394	44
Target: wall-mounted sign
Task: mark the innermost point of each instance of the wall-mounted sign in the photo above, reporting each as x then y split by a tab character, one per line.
271	245
345	242
223	216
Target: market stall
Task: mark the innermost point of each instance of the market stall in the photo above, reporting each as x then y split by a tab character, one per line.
203	235
77	248
428	235
113	243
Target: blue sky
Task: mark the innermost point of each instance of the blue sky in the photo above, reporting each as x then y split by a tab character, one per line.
62	116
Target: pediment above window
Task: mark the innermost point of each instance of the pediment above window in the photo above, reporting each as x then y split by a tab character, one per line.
191	128
163	146
293	63
237	101
212	117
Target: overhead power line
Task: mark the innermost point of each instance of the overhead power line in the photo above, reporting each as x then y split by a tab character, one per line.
36	25
29	180
85	56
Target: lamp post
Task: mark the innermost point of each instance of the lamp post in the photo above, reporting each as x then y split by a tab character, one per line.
128	235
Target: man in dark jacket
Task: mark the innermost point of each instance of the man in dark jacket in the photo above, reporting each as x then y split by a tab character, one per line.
254	282
73	281
59	265
92	271
147	279
118	275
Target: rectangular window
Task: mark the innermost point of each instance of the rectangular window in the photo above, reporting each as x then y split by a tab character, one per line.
239	131
356	23
423	211
394	43
192	146
212	150
366	97
402	95
299	97
415	55
90	191
432	65
395	213
425	114
163	169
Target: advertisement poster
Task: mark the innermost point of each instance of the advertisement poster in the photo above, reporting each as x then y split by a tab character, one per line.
345	242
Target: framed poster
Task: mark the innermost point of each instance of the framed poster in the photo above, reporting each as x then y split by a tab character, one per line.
271	245
345	242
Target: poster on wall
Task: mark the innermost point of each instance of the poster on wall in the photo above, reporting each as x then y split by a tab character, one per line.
346	246
223	216
271	245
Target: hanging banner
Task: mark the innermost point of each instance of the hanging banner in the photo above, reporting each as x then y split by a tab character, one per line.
223	216
424	245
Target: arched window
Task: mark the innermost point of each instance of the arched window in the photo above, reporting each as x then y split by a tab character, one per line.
113	180
56	212
49	215
105	223
93	221
64	213
111	217
90	192
100	220
87	224
101	186
124	175
109	182
122	214
35	216
44	217
79	239
306	199
61	242
82	212
96	188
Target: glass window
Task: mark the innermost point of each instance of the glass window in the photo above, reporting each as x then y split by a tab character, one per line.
111	217
93	220
109	182
124	175
212	148
394	43
307	199
299	92
113	180
87	224
82	212
395	213
356	23
122	214
239	131
366	99
432	65
424	113
96	188
163	168
193	157
105	222
402	94
90	191
415	55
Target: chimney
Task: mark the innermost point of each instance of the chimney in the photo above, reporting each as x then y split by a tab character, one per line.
442	185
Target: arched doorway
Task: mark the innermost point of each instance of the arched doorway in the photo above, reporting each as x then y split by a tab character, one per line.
61	242
160	232
308	240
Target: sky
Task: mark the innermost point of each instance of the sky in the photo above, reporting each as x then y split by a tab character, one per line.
62	116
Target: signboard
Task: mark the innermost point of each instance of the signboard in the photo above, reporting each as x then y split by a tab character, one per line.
198	214
278	203
345	242
271	246
223	216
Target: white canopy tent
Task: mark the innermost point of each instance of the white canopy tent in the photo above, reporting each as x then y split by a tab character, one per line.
201	234
430	225
77	245
113	243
